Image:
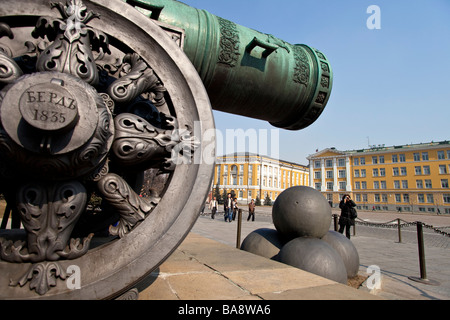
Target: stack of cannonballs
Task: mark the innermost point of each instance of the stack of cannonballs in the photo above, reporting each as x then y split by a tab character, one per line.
302	239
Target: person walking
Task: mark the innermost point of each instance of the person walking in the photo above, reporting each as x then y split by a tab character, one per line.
348	215
235	208
251	210
213	205
228	206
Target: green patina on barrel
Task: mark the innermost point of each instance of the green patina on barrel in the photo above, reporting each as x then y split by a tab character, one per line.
246	72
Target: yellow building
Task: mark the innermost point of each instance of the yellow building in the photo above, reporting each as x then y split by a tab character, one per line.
408	178
250	175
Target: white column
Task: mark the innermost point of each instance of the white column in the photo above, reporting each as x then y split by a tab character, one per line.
323	183
349	175
335	175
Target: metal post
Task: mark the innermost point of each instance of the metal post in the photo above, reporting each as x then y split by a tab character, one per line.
423	267
336	225
239	228
423	270
399	231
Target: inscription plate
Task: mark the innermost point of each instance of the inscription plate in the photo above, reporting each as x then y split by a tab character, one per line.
49	107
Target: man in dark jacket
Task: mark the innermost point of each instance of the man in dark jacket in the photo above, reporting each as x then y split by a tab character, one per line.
347	219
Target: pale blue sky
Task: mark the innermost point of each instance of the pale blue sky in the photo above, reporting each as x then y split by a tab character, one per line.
391	86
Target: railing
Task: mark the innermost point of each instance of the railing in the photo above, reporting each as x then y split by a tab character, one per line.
394	224
399	224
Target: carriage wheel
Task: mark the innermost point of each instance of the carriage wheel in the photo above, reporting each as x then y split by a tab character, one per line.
106	148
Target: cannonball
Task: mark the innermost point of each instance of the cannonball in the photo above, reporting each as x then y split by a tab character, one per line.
301	212
314	256
346	250
263	242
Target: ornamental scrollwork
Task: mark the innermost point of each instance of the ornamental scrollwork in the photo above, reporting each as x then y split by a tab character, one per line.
229	43
78	117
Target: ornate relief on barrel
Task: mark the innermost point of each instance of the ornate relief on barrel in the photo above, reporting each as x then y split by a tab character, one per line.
229	43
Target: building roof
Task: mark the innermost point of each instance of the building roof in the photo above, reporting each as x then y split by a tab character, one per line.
255	155
379	148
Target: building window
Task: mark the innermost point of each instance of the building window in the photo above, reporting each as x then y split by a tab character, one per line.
317	175
356	161
447	198
317	165
395	172
426	170
329	163
357	185
403	171
398	198
444	183
329	174
341	162
363	173
441	155
363	161
342	173
356	173
405	184
425	156
329	185
318	186
384	198
342	185
421	198
234	172
402	158
218	175
430	198
381	159
374	160
394	158
377	198
428	184
416	156
383	185
418	171
375	172
419	184
396	184
442	169
382	172
406	198
376	185
364	185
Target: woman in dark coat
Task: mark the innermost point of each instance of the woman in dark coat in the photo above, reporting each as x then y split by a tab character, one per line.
346	220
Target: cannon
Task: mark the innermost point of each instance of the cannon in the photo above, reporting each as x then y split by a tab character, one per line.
107	145
246	72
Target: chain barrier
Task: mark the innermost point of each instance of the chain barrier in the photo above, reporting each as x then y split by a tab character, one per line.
394	224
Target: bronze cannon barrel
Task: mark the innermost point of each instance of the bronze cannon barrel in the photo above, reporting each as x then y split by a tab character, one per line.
246	72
